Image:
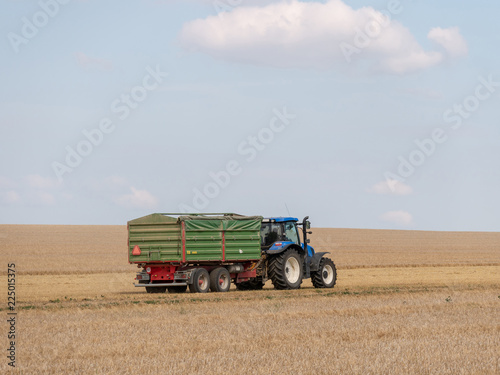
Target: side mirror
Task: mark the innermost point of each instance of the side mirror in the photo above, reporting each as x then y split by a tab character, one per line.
308	224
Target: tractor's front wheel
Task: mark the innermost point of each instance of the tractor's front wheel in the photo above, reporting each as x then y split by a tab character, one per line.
326	276
285	270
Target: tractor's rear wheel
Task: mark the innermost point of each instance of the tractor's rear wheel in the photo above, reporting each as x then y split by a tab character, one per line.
326	276
220	280
285	270
201	281
177	289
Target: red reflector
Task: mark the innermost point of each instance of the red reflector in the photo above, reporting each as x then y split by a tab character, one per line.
136	251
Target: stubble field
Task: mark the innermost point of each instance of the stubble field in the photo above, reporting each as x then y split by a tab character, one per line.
405	302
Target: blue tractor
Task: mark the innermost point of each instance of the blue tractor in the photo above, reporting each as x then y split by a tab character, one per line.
286	260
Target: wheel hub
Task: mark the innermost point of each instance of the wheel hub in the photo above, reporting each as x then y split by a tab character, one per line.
328	274
292	270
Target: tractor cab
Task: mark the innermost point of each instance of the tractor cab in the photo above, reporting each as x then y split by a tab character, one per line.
278	233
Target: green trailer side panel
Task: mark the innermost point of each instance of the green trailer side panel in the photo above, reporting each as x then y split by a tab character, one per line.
159	238
203	240
242	245
206	238
242	238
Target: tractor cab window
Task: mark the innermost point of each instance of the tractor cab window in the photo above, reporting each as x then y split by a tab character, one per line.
273	232
270	233
291	232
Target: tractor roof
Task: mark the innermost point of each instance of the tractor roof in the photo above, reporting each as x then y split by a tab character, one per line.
279	219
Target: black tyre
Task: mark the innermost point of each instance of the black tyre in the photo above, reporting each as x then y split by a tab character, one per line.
201	281
252	284
177	288
245	285
285	270
256	283
220	280
326	276
156	289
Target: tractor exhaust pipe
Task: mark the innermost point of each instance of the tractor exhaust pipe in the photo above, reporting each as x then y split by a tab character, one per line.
304	233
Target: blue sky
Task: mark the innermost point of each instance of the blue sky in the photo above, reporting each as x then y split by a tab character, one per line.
379	114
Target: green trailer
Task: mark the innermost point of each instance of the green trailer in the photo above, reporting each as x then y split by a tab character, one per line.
170	246
207	251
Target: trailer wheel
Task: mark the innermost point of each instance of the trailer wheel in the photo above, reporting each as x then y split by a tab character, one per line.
326	276
285	270
201	281
156	289
220	280
177	288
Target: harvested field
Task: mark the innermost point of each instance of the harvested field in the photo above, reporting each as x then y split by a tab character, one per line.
66	249
76	249
405	302
354	248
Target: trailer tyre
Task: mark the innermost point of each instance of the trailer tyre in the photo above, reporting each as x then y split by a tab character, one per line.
177	288
326	276
220	280
285	270
201	281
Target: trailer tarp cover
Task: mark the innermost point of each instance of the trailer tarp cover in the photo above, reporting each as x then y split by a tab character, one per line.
205	237
232	222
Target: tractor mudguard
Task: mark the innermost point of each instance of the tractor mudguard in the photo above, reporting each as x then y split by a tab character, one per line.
315	259
284	248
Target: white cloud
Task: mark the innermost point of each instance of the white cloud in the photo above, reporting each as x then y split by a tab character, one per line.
10	197
88	62
226	5
110	183
7	183
401	218
300	34
32	189
38	182
43	198
450	39
138	199
422	93
67	196
391	187
115	181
